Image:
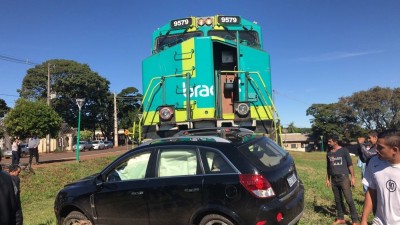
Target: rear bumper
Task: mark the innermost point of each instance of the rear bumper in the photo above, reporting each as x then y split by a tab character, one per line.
291	207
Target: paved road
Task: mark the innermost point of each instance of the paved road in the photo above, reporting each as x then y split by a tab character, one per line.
69	156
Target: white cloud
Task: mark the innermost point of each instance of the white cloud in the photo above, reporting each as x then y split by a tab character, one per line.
337	56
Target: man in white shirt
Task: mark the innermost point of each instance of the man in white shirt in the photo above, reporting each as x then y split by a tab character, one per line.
382	177
33	144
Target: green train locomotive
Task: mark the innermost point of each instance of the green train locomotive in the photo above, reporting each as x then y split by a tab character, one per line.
207	72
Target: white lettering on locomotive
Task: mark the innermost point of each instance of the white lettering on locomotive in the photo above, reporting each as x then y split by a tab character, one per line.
199	90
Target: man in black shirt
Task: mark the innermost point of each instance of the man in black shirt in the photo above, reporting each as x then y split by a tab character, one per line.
339	165
14	171
8	200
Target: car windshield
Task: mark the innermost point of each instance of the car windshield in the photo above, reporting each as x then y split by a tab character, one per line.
263	151
95	142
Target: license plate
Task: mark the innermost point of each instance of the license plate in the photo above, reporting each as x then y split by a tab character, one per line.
292	180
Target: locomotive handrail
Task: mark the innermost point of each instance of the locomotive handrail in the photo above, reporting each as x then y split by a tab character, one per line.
275	112
191	69
191	52
162	78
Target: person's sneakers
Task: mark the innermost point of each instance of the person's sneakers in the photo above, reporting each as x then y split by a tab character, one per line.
339	221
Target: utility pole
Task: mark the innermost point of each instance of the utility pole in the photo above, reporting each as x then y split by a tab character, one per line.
48	103
115	122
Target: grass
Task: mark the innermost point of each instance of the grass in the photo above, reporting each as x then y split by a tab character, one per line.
38	189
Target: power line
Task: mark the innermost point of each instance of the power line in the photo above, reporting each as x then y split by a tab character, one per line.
9	95
290	97
16	60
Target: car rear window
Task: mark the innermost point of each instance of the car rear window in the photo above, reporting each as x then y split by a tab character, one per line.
263	151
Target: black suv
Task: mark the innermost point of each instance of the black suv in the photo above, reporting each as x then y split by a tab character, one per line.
190	180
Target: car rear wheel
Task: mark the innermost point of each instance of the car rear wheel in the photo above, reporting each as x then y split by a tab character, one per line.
215	219
76	218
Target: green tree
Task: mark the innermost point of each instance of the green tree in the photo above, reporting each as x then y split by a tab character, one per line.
377	108
86	134
32	118
3	110
292	128
71	80
128	103
333	119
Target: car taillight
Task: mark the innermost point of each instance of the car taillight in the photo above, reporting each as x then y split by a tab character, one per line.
257	185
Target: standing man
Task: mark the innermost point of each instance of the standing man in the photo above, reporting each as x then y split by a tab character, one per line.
370	152
33	144
8	200
14	151
339	165
367	151
14	171
382	176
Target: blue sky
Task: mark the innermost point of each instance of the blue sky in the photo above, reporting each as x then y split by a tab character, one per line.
320	50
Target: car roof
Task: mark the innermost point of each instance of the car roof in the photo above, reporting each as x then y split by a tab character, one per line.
185	139
210	141
233	134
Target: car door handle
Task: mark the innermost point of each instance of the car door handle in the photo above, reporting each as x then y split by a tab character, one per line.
192	189
136	193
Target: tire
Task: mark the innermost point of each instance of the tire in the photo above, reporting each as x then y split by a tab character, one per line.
215	219
76	218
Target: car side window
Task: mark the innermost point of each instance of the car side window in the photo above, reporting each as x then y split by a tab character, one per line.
131	169
264	151
215	163
177	162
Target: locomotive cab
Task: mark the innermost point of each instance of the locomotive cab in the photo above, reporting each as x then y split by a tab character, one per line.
207	72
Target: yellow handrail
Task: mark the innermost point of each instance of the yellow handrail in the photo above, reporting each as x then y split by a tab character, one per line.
274	114
145	98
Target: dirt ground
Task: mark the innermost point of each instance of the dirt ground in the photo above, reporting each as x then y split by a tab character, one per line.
47	160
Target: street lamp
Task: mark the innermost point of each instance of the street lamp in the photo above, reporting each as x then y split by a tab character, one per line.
79	102
322	142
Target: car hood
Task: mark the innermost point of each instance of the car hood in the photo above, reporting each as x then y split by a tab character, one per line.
83	181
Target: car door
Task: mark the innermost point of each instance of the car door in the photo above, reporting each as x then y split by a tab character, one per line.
176	190
222	188
122	196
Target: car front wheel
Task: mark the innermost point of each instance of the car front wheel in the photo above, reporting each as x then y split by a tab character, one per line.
76	218
215	219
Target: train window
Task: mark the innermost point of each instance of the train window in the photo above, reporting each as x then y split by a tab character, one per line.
165	41
227	57
249	37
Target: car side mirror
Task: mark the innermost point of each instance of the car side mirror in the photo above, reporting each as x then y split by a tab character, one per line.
99	181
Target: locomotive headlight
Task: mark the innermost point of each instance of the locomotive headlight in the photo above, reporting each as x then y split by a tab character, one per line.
209	21
166	113
243	109
201	22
